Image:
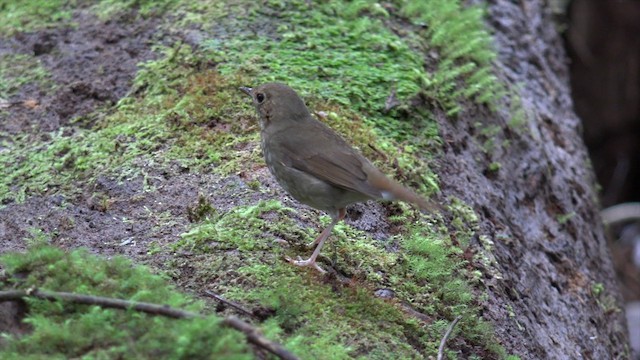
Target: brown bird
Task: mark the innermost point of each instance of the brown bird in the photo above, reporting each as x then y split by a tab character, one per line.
314	164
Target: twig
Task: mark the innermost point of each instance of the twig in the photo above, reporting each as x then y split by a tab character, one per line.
374	148
230	303
104	302
391	101
443	342
621	212
252	333
414	313
5	103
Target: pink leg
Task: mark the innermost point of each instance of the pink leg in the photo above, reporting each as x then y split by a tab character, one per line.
311	261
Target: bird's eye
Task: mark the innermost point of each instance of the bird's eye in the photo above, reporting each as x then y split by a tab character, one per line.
260	98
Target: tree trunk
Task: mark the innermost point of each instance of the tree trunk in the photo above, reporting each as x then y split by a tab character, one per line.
548	272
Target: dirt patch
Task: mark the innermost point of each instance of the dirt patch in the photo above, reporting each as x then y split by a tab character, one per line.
124	217
115	217
91	65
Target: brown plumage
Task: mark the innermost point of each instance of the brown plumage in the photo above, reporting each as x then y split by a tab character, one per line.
314	164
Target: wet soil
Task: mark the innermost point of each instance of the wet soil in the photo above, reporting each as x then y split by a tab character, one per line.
92	64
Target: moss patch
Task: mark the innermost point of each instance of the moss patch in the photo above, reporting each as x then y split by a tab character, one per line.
186	115
63	330
239	254
16	16
17	70
464	69
327	51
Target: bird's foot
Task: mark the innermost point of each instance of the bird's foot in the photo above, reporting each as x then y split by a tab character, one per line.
309	262
312	244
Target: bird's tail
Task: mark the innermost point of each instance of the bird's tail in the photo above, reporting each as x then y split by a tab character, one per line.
396	191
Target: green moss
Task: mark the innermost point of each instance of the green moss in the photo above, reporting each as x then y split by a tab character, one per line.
63	329
597	289
202	210
17	70
518	114
17	16
488	134
327	51
495	166
347	52
177	96
106	9
63	159
564	218
238	229
605	300
348	56
465	222
350	324
37	237
464	70
172	121
436	282
311	316
32	15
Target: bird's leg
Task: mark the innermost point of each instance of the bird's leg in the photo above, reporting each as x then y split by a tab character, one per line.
311	261
340	215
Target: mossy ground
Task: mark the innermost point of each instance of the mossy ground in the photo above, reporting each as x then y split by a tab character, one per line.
65	330
346	60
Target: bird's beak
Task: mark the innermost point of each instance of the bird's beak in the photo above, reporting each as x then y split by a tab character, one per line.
247	90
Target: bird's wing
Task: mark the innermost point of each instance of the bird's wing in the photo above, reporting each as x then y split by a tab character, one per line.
328	157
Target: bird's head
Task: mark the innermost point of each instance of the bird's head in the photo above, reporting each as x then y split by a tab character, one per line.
278	105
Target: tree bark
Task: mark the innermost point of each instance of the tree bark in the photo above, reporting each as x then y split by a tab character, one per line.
548	271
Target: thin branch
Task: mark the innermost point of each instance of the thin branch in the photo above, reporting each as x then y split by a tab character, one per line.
252	333
443	342
229	303
105	302
621	212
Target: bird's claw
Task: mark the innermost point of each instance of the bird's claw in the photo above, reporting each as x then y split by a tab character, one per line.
309	262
